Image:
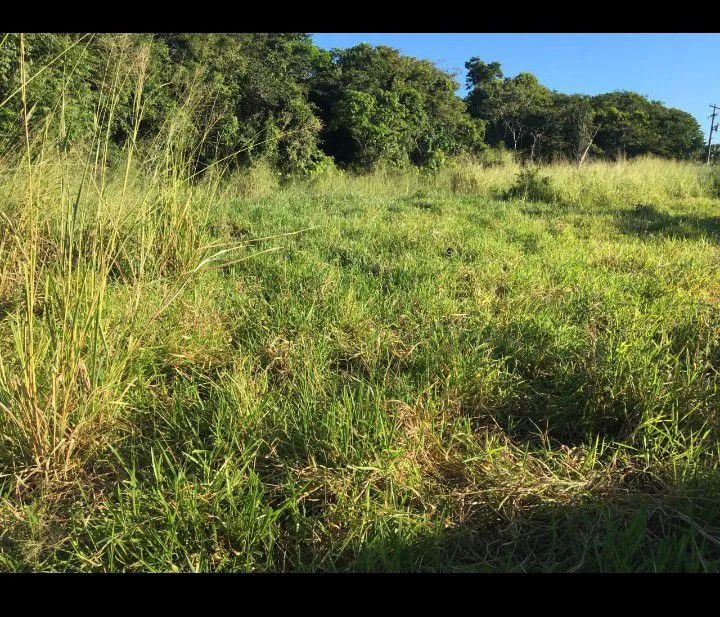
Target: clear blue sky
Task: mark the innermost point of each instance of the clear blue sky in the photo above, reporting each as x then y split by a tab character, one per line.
681	70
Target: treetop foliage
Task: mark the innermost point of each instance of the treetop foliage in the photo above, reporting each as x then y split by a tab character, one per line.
279	98
526	116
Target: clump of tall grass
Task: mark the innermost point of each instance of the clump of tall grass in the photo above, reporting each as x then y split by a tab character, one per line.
625	183
258	180
597	184
532	185
475	179
79	227
64	375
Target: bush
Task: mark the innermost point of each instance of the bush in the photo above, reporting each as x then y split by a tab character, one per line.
531	185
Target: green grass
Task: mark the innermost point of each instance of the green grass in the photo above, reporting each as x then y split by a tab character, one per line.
438	373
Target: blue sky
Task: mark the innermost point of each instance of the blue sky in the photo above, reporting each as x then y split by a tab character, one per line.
680	70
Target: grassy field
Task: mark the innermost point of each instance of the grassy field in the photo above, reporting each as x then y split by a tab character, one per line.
473	370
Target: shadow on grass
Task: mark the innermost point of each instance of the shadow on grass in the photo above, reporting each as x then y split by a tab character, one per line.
644	220
650	529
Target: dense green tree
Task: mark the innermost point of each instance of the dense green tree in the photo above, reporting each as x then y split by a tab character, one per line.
483	81
61	68
380	106
680	135
241	96
575	128
251	92
630	125
518	110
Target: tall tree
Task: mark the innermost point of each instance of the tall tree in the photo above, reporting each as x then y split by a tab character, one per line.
378	105
518	109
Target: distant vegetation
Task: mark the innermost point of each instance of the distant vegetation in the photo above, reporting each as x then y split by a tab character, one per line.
281	99
524	115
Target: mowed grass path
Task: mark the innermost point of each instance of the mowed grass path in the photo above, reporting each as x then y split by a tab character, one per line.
423	380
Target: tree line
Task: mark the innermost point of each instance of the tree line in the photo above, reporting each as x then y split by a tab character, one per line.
241	98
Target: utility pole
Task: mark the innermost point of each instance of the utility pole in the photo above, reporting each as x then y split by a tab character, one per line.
713	127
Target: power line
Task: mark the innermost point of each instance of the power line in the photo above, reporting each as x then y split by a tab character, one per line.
713	127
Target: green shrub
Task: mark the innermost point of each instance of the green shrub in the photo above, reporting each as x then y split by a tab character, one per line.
531	185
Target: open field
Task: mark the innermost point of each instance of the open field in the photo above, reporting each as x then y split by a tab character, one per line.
467	370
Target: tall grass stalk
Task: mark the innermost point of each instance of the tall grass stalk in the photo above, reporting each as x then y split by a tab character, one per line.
63	388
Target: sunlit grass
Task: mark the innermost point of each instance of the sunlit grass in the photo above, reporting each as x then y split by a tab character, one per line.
425	378
480	368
